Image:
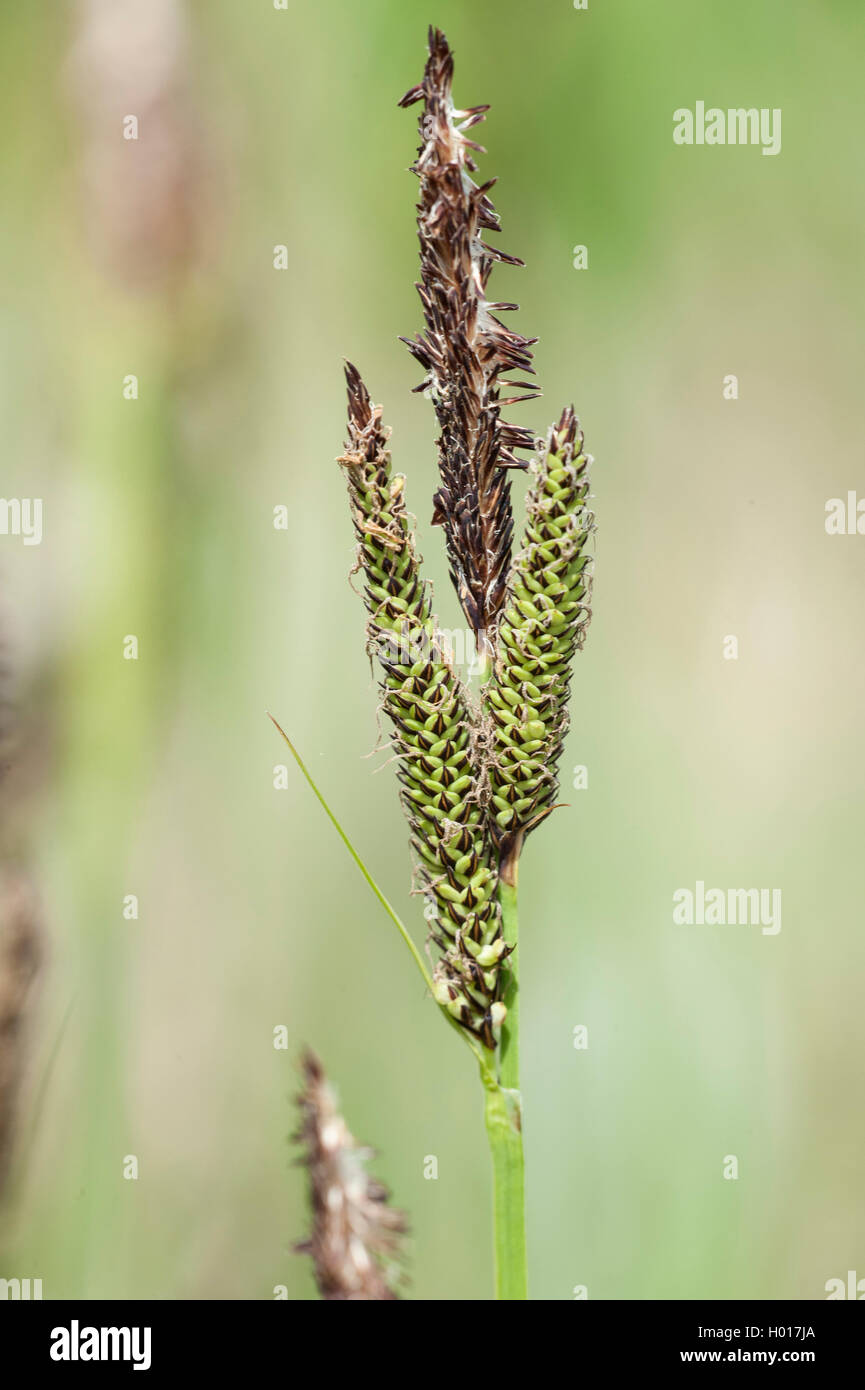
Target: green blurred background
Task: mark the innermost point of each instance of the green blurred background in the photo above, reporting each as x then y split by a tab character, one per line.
154	1037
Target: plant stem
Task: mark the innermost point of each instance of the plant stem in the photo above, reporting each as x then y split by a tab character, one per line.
503	1115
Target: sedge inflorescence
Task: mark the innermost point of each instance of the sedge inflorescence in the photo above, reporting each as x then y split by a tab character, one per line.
477	775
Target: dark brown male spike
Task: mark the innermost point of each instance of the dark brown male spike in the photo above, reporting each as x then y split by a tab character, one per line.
465	349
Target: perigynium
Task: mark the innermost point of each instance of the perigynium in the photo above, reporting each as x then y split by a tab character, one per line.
477	773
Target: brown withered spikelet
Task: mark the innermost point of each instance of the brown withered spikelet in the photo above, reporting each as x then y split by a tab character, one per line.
434	733
20	918
357	1239
465	348
19	957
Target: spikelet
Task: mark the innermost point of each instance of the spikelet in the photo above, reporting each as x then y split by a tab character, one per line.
356	1238
19	957
465	348
433	733
544	623
20	915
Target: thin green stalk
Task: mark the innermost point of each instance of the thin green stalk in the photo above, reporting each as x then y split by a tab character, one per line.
503	1115
389	909
391	912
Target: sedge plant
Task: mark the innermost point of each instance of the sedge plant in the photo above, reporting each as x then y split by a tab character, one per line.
477	771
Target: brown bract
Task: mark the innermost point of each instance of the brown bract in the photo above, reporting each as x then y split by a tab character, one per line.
465	348
355	1234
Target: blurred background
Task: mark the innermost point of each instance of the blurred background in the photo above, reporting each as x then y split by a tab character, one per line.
154	258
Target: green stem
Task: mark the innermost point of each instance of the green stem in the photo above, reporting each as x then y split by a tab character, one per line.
503	1115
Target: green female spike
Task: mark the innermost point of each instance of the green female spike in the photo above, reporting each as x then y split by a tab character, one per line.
544	623
434	735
